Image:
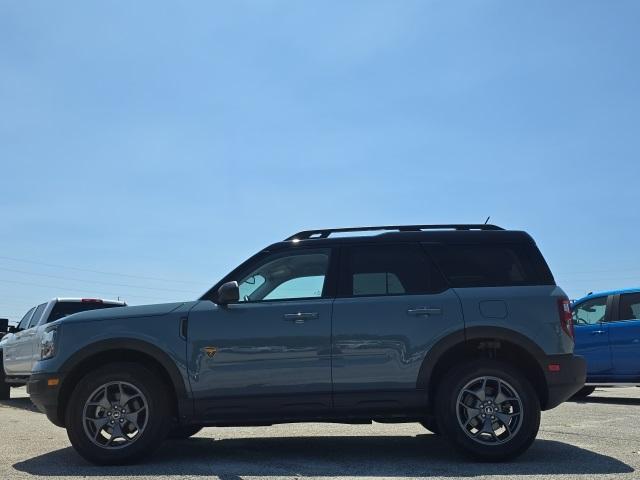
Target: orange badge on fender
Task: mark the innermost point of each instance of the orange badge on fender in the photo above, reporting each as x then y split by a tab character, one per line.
210	351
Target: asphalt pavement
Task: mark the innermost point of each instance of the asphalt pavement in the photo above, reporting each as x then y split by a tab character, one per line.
597	438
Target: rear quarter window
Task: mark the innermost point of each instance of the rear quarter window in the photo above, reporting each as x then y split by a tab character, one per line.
493	265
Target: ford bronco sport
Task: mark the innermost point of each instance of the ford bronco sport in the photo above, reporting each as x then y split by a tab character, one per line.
459	327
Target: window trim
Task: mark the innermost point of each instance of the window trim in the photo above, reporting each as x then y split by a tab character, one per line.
341	290
45	305
27	317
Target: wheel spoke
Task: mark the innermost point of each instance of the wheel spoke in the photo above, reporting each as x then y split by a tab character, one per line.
104	401
116	433
487	427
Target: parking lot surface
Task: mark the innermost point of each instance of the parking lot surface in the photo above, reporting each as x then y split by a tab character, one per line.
597	438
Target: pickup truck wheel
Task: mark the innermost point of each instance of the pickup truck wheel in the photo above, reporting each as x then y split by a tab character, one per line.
118	414
187	431
488	409
5	388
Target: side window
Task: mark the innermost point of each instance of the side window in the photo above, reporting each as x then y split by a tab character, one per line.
36	315
25	320
287	275
629	306
388	270
492	265
590	312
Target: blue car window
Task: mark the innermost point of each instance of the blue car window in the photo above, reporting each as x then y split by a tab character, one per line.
590	312
629	306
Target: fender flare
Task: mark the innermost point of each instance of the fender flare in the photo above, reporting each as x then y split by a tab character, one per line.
135	345
462	337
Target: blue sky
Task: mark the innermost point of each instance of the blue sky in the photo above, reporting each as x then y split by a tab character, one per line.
146	148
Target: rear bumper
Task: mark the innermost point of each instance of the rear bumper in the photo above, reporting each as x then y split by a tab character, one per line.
45	396
565	375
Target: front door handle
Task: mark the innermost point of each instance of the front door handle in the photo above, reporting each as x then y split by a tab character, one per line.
300	317
598	332
424	311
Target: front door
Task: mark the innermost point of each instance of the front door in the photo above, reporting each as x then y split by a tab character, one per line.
12	346
270	353
392	307
624	337
592	335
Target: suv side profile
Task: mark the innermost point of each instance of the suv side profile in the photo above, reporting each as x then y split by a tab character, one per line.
459	327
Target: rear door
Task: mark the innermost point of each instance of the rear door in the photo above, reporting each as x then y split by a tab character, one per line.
592	334
392	307
624	336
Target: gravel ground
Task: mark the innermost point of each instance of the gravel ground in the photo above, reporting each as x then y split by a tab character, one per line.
598	438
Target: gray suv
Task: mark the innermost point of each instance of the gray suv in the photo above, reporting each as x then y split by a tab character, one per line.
459	327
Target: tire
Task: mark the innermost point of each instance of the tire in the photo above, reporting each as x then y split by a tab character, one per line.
477	435
183	432
140	423
5	388
583	393
431	425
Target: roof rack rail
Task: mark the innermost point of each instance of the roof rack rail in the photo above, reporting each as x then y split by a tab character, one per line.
325	232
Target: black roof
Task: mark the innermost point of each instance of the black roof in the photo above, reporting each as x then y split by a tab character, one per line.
449	233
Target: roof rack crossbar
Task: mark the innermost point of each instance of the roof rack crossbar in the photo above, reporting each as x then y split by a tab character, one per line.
326	232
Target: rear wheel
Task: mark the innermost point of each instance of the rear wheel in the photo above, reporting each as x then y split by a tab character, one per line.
488	409
183	432
584	392
5	388
118	414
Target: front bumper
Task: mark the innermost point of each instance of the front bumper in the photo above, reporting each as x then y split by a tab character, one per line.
565	375
45	396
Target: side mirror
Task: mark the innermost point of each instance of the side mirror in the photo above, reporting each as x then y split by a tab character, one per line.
12	329
228	293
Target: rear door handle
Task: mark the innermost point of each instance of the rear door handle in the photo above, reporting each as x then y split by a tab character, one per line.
598	332
300	317
424	311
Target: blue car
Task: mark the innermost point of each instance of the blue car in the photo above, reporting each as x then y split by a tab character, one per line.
607	334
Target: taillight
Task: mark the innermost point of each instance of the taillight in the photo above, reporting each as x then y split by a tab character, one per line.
91	300
566	322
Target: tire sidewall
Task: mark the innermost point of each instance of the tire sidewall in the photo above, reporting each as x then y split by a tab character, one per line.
446	406
158	423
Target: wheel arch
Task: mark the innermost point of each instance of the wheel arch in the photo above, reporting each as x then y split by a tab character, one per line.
99	353
484	342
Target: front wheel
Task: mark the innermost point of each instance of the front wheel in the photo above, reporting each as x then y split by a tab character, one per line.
488	409
118	414
5	388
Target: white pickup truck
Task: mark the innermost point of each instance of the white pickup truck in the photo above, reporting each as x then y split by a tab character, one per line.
21	345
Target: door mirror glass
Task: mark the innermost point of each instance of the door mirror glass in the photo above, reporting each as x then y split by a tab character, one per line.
228	293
